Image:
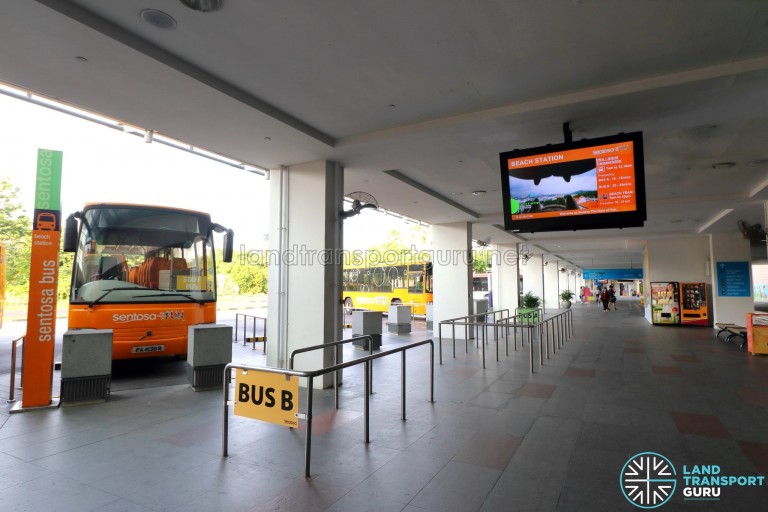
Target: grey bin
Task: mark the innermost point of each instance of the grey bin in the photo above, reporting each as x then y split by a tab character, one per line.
367	323
86	366
209	350
399	319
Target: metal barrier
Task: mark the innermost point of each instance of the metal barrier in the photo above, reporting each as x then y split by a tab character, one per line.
466	321
310	376
560	325
15	343
251	339
337	345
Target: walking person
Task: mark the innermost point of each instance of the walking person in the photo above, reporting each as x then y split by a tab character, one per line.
605	299
612	297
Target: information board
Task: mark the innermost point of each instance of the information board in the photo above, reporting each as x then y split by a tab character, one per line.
733	279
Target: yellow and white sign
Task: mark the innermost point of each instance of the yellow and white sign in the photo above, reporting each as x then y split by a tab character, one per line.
194	283
267	396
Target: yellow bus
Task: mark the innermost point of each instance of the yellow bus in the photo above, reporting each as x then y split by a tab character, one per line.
378	286
146	272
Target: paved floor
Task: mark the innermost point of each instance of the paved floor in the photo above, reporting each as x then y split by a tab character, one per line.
500	438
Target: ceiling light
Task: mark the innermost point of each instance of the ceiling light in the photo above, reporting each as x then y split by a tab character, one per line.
80	58
158	19
478	193
203	5
724	165
759	161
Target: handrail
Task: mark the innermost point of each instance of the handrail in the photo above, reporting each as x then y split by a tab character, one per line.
254	338
310	375
335	344
561	325
14	344
493	312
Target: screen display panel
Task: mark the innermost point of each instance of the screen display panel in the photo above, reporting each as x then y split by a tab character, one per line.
589	184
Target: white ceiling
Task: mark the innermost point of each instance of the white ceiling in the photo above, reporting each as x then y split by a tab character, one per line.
433	89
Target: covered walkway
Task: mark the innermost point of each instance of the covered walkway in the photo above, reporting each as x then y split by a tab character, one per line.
495	439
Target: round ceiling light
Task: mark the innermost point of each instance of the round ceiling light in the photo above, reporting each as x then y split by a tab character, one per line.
724	165
479	193
158	19
203	5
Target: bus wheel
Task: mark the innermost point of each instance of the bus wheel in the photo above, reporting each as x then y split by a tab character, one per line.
396	302
347	303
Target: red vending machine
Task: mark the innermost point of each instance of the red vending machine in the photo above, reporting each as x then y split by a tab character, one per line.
694	304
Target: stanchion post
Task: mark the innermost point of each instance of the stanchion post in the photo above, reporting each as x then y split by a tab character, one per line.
308	439
225	437
402	384
366	411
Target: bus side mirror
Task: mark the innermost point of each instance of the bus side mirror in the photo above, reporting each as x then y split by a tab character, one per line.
229	243
70	234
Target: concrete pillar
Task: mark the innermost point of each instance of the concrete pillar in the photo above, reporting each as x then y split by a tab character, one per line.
505	278
304	302
551	284
531	271
452	271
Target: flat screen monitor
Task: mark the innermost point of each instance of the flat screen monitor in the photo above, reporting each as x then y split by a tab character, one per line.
588	184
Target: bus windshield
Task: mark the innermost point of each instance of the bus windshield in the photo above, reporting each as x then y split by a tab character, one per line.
140	254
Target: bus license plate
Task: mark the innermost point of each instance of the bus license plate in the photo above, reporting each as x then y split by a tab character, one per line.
149	348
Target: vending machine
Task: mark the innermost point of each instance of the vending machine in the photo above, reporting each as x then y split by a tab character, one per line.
665	303
694	304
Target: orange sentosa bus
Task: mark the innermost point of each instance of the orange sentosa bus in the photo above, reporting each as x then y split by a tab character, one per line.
146	272
378	286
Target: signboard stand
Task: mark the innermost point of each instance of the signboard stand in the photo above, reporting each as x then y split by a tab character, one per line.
40	340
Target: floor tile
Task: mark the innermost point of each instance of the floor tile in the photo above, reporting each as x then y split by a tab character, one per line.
699	425
580	372
667	370
537	390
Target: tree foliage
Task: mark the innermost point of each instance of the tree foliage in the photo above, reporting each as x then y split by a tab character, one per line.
247	273
16	232
481	260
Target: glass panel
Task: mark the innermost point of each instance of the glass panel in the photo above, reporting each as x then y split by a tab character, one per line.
143	255
416	279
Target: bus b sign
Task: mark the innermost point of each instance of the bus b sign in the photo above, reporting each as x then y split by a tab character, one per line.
267	396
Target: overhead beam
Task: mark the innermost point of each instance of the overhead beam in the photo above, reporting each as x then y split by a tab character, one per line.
437	195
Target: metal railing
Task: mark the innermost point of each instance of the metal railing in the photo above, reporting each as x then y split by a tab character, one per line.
310	376
467	322
14	344
253	338
336	356
551	331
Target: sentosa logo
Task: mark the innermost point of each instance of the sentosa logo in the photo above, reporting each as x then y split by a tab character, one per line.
124	318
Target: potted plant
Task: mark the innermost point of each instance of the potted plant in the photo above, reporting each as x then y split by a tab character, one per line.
529	312
565	299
